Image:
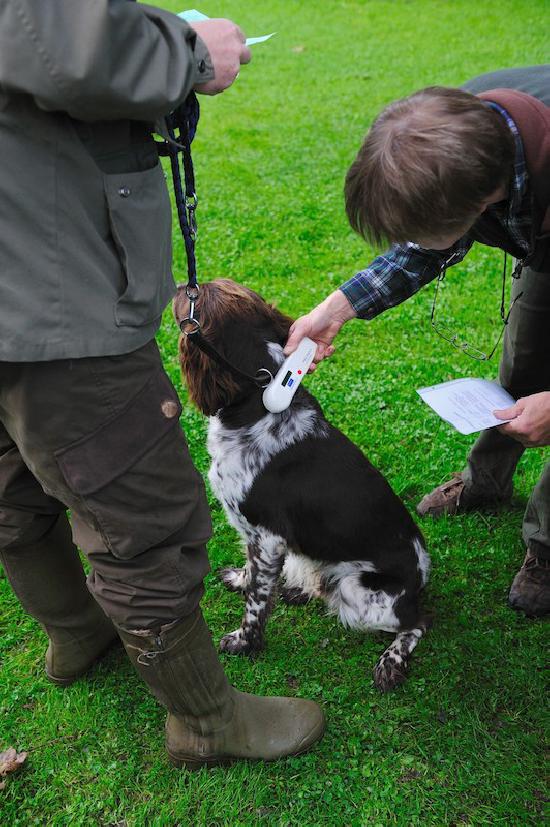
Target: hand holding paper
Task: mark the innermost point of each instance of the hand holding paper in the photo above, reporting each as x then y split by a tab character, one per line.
528	420
226	47
194	15
468	404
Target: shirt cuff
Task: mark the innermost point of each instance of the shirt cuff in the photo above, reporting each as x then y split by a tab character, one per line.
362	296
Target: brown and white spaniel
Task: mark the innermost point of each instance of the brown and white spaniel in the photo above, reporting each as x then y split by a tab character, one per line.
312	510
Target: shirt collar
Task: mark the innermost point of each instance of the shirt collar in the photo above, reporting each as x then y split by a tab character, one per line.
520	178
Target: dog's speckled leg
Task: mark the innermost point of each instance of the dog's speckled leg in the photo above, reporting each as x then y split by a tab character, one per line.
265	562
391	669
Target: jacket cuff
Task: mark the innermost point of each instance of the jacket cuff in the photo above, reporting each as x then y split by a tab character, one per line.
204	68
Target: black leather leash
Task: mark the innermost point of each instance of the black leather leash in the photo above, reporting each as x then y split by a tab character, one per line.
182	126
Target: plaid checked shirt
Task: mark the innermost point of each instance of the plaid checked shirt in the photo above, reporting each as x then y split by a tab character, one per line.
405	268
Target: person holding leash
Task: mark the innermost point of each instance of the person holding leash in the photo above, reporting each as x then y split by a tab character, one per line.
437	171
89	420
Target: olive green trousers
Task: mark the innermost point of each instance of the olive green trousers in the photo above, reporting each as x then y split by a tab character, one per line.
524	370
101	437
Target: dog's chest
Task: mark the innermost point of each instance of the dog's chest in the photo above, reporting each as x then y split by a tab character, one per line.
239	455
234	467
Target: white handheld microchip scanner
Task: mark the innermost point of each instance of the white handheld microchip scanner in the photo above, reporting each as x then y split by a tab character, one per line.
278	394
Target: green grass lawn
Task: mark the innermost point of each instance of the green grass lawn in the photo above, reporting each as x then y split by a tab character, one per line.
462	741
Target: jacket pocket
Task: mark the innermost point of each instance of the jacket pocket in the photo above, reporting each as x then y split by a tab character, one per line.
140	219
134	474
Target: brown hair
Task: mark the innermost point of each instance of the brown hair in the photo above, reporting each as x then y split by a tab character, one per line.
426	165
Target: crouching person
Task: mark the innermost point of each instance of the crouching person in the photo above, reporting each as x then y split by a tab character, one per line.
88	418
437	171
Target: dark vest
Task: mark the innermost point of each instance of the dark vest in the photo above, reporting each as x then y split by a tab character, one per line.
525	94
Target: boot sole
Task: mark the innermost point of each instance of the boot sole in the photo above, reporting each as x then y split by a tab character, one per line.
193	764
63	681
528	612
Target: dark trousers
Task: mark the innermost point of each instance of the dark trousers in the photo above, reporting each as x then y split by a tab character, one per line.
101	437
524	370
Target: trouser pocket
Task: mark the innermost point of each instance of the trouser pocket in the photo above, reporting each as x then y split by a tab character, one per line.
134	473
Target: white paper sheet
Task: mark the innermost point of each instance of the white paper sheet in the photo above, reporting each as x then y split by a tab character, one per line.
192	15
468	404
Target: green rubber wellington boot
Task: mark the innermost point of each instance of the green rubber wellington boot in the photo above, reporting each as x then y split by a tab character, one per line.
209	722
48	578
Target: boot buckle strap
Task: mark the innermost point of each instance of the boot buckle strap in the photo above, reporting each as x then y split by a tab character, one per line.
146	658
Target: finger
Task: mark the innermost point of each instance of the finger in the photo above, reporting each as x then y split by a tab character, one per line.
246	55
207	89
319	353
294	338
512	429
508	413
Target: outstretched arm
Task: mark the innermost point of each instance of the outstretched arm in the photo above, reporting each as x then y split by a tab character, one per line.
389	280
321	324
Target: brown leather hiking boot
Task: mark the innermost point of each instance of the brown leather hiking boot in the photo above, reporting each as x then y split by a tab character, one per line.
451	498
445	499
530	592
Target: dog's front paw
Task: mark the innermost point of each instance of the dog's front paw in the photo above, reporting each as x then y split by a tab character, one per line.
235	643
389	672
233	579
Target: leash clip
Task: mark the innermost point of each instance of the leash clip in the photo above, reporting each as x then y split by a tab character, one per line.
189	326
191	203
192	293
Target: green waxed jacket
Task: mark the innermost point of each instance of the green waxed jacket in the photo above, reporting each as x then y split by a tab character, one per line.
85	218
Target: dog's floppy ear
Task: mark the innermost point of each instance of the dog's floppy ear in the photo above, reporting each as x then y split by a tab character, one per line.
278	323
210	387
